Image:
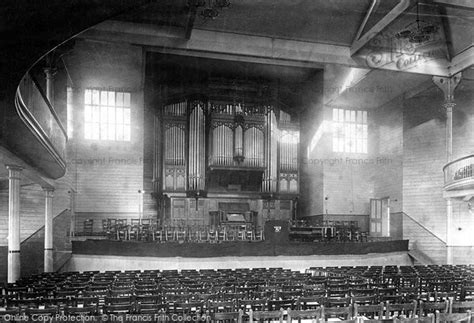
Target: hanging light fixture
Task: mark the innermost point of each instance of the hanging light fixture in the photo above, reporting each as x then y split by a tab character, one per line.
419	31
210	8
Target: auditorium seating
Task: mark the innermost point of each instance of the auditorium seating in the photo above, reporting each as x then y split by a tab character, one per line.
344	293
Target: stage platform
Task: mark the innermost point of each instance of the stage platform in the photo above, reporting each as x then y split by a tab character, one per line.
233	249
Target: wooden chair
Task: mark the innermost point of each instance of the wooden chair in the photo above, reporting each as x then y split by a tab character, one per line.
225	317
259	234
313	315
158	234
456	306
223	306
262	316
150	308
83	310
343	312
426	308
252	304
274	305
310	302
42	312
395	310
371	312
430	318
121	228
453	317
118	309
365	299
338	301
134	229
146	230
88	227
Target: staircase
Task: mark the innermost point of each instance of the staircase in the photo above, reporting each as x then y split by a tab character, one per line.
425	246
32	248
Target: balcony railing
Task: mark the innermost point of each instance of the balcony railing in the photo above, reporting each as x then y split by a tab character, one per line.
48	152
459	174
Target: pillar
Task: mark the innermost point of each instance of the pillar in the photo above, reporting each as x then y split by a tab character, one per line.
449	225
14	173
49	75
447	85
48	230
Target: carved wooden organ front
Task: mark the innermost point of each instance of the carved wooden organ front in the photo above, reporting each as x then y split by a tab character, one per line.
219	150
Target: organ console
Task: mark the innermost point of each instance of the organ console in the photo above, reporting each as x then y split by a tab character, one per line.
228	145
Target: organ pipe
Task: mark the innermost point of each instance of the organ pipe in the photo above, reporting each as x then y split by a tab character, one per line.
196	147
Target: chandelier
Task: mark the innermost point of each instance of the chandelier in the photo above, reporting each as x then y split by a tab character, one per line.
419	31
209	9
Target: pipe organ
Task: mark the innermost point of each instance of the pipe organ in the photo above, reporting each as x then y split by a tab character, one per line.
219	150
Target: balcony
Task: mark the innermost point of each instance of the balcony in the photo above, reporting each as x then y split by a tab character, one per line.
35	132
459	177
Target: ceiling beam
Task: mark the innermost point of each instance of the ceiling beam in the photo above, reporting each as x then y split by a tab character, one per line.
461	61
398	10
468	4
222	43
366	18
190	18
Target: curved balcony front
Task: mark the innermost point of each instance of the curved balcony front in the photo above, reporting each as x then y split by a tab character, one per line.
459	176
34	131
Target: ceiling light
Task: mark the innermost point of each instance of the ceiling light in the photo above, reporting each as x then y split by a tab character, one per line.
419	31
209	9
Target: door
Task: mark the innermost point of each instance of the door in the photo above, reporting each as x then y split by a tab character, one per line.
380	217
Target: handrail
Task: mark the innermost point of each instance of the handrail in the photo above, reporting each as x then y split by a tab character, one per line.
459	173
48	103
42	227
421	225
41	119
30	121
457	160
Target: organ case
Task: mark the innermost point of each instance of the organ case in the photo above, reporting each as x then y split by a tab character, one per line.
223	147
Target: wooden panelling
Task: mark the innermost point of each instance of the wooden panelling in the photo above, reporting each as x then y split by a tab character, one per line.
112	187
388	175
107	174
423	160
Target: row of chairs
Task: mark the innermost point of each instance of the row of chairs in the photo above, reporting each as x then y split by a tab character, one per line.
228	311
148	230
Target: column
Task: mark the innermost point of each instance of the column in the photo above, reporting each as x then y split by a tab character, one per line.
72	208
448	85
449	225
48	230
14	173
49	75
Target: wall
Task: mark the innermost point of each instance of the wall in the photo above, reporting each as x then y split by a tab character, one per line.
424	158
388	175
311	175
106	174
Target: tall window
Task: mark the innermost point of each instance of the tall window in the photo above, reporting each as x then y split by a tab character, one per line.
106	115
349	131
